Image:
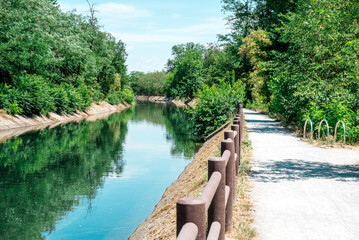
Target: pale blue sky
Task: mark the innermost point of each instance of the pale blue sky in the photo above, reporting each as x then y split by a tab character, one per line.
151	28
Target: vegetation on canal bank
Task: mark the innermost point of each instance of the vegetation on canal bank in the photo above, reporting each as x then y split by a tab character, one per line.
297	59
57	62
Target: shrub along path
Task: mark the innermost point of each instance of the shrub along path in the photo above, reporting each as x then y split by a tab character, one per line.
301	191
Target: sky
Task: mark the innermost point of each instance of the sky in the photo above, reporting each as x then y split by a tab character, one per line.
150	28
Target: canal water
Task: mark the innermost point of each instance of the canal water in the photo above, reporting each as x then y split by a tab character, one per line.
92	180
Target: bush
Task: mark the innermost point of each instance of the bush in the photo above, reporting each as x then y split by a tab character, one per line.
215	105
29	93
116	98
334	111
127	95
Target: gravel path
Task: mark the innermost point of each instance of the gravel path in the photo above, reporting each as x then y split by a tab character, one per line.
301	191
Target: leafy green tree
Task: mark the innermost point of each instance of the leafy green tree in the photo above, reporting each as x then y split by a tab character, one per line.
186	70
321	64
44	50
215	105
247	15
254	48
149	84
217	64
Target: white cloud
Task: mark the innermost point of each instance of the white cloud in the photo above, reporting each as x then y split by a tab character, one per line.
175	16
129	48
109	10
154	37
212	26
192	33
149	64
121	11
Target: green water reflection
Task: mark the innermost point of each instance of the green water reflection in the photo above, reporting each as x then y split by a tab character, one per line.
44	174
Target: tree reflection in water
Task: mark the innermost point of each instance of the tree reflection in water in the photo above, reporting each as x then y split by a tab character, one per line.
45	174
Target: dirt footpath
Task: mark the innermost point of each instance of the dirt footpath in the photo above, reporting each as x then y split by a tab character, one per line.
301	191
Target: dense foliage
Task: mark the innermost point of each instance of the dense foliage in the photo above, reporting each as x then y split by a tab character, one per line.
215	105
318	76
55	61
298	58
204	73
186	70
149	84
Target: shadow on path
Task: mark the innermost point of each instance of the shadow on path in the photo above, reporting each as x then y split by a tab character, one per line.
295	169
266	126
252	113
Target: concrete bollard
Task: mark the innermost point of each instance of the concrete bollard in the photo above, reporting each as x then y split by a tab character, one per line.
240	108
228	144
190	209
229	134
241	129
235	127
217	210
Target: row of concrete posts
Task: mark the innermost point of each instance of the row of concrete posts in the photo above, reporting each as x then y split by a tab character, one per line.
210	215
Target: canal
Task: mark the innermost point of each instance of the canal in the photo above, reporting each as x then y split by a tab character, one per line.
92	180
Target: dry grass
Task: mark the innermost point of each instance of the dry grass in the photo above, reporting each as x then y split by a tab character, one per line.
298	131
243	209
324	143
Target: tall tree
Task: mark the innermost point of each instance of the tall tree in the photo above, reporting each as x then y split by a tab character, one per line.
186	69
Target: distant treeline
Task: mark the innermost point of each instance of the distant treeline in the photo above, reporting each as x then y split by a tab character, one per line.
149	84
296	59
51	61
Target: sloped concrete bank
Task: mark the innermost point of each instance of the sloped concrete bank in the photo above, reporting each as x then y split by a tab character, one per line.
160	99
11	126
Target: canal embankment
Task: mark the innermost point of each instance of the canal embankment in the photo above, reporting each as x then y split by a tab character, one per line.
15	125
161	224
163	99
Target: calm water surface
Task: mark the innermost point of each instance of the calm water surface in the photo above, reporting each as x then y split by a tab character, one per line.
92	180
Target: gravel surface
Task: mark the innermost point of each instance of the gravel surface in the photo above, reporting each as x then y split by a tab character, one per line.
301	191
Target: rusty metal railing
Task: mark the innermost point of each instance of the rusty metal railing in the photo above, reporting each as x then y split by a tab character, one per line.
219	195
